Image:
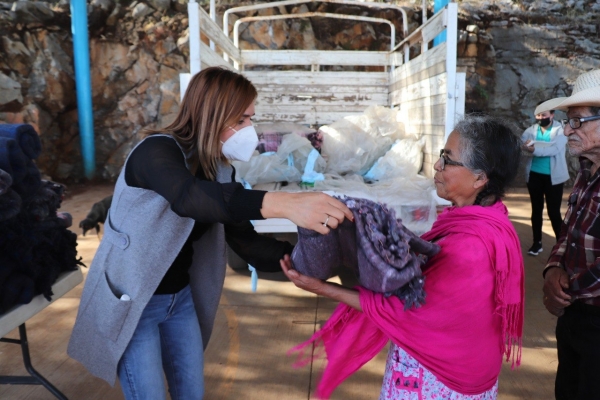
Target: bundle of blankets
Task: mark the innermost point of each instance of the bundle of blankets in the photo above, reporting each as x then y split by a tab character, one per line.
385	256
35	244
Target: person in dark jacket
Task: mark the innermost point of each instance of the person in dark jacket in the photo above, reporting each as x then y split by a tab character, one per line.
151	295
572	273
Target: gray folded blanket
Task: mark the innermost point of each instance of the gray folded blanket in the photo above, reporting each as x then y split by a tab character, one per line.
385	255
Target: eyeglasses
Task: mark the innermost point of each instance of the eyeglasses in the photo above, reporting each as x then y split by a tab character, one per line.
576	122
444	160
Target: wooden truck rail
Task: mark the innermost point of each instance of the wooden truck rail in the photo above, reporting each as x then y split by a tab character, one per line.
426	89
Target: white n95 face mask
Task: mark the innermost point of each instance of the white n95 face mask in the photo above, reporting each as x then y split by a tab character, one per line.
241	145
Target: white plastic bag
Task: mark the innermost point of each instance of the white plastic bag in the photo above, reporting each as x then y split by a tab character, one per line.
266	168
283	128
348	148
411	198
350	185
380	121
270	135
404	159
299	147
310	176
288	164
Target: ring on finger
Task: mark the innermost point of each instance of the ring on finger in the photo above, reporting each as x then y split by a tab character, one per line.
326	221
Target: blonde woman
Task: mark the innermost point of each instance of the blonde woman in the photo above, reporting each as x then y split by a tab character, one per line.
151	295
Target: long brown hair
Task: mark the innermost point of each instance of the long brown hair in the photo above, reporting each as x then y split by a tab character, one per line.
215	99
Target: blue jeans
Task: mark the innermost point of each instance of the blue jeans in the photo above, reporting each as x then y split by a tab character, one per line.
168	333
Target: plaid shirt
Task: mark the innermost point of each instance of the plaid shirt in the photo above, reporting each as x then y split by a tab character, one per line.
578	248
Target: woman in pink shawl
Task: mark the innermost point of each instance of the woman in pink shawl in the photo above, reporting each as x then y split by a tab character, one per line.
451	347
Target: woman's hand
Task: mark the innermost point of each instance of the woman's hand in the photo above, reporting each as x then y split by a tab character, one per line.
315	210
304	282
317	286
555	298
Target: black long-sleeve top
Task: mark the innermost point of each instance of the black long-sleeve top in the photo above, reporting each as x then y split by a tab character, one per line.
158	164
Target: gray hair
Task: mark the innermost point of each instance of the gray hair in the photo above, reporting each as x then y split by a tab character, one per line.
489	146
595	110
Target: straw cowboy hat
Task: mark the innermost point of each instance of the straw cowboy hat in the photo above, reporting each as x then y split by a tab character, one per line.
586	92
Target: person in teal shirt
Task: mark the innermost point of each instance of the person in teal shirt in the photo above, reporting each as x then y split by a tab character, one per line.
546	171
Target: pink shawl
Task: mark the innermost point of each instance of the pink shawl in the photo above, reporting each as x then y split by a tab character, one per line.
472	317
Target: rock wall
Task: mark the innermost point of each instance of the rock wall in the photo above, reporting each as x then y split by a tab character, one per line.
135	62
515	52
536	50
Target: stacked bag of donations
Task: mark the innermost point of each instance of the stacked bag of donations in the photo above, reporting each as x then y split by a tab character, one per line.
364	156
35	244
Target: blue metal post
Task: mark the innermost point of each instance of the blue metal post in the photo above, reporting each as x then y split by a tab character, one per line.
83	84
437	6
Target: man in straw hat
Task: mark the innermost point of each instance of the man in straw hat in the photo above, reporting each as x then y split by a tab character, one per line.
572	275
546	172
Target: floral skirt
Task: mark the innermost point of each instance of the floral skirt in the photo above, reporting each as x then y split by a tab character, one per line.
406	379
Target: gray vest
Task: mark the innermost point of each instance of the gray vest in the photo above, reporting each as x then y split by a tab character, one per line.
142	238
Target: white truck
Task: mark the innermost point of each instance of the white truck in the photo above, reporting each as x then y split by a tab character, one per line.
426	89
